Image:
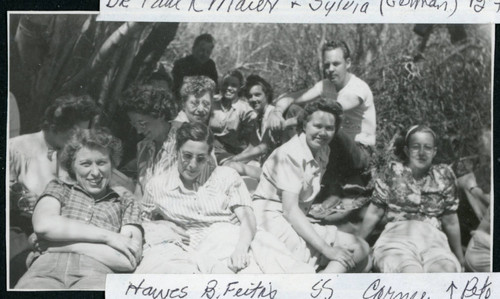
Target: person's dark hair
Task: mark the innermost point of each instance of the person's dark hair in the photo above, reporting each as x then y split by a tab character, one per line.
149	100
67	111
404	139
197	86
92	139
195	132
320	105
237	74
205	37
334	44
253	80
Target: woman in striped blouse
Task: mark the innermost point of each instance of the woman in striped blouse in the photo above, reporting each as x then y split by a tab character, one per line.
215	213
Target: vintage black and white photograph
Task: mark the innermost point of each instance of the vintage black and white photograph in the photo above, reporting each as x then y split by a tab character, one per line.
248	148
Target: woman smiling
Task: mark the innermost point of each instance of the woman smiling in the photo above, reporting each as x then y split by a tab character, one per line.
289	183
233	121
85	230
419	201
220	233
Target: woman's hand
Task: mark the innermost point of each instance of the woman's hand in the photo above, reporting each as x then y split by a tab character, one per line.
275	120
331	202
239	260
124	244
343	255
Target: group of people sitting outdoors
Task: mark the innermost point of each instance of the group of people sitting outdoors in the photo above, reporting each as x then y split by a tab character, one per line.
230	182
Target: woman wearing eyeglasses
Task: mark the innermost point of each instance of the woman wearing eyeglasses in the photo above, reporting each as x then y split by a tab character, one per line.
419	201
151	111
214	212
160	235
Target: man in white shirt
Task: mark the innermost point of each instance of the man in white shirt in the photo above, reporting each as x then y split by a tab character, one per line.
352	147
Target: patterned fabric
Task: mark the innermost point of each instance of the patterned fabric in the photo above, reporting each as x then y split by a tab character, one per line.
233	128
425	200
110	212
214	201
293	168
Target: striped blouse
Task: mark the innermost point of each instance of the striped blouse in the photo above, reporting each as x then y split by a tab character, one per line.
213	202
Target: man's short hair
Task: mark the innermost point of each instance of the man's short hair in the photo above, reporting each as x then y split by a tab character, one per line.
334	44
205	37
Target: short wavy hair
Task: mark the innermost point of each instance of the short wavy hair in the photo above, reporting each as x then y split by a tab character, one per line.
253	80
197	86
92	139
195	132
148	99
320	105
67	111
336	44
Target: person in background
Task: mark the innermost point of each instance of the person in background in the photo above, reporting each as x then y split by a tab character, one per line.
33	163
289	183
259	94
233	121
478	253
196	64
150	110
355	140
419	201
84	229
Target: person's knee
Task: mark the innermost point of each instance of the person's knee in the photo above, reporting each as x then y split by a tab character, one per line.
442	266
411	269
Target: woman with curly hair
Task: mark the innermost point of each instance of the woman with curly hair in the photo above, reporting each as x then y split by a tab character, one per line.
419	201
84	229
150	110
160	236
33	163
288	185
216	215
32	157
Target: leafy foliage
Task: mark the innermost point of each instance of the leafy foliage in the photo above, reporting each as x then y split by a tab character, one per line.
450	89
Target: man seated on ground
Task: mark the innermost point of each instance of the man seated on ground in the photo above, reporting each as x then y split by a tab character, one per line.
354	143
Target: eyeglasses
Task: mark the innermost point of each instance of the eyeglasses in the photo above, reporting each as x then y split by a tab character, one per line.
414	149
195	104
187	157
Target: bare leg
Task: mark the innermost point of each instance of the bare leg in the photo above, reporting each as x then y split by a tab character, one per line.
360	254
